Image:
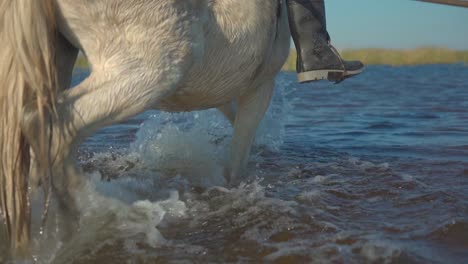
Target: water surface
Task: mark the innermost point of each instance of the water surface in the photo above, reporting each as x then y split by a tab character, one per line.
374	169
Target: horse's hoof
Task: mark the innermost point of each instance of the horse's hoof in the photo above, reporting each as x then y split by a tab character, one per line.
232	179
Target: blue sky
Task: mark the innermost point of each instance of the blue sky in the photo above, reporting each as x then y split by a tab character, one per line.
396	24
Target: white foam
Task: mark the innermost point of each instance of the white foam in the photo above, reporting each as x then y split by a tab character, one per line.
106	219
140	217
191	145
310	196
380	250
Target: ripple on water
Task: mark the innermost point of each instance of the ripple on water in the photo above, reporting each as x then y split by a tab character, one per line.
375	176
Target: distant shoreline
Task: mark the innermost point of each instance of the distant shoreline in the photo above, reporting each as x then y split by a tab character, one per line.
377	56
396	57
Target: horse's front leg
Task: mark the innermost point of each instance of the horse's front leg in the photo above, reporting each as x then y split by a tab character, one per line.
250	111
229	111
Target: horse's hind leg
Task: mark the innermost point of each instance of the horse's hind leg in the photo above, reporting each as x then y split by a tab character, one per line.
250	111
100	100
131	72
120	86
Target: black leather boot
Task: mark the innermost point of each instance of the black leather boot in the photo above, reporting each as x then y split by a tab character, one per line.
317	59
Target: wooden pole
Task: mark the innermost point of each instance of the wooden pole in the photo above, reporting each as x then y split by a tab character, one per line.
460	3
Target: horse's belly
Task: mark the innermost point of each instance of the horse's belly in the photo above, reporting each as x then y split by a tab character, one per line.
199	97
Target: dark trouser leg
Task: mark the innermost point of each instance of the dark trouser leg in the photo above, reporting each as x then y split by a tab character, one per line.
317	59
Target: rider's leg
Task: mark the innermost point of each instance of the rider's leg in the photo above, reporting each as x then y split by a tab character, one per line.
317	59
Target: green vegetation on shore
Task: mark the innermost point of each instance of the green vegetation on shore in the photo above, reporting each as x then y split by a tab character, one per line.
81	62
395	57
377	57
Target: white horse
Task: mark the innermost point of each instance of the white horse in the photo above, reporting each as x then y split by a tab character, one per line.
173	55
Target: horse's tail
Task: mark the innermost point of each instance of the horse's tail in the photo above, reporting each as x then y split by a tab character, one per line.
27	77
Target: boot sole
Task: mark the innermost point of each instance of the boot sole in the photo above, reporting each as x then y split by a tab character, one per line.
331	75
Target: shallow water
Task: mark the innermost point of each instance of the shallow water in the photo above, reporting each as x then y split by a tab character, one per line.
371	170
